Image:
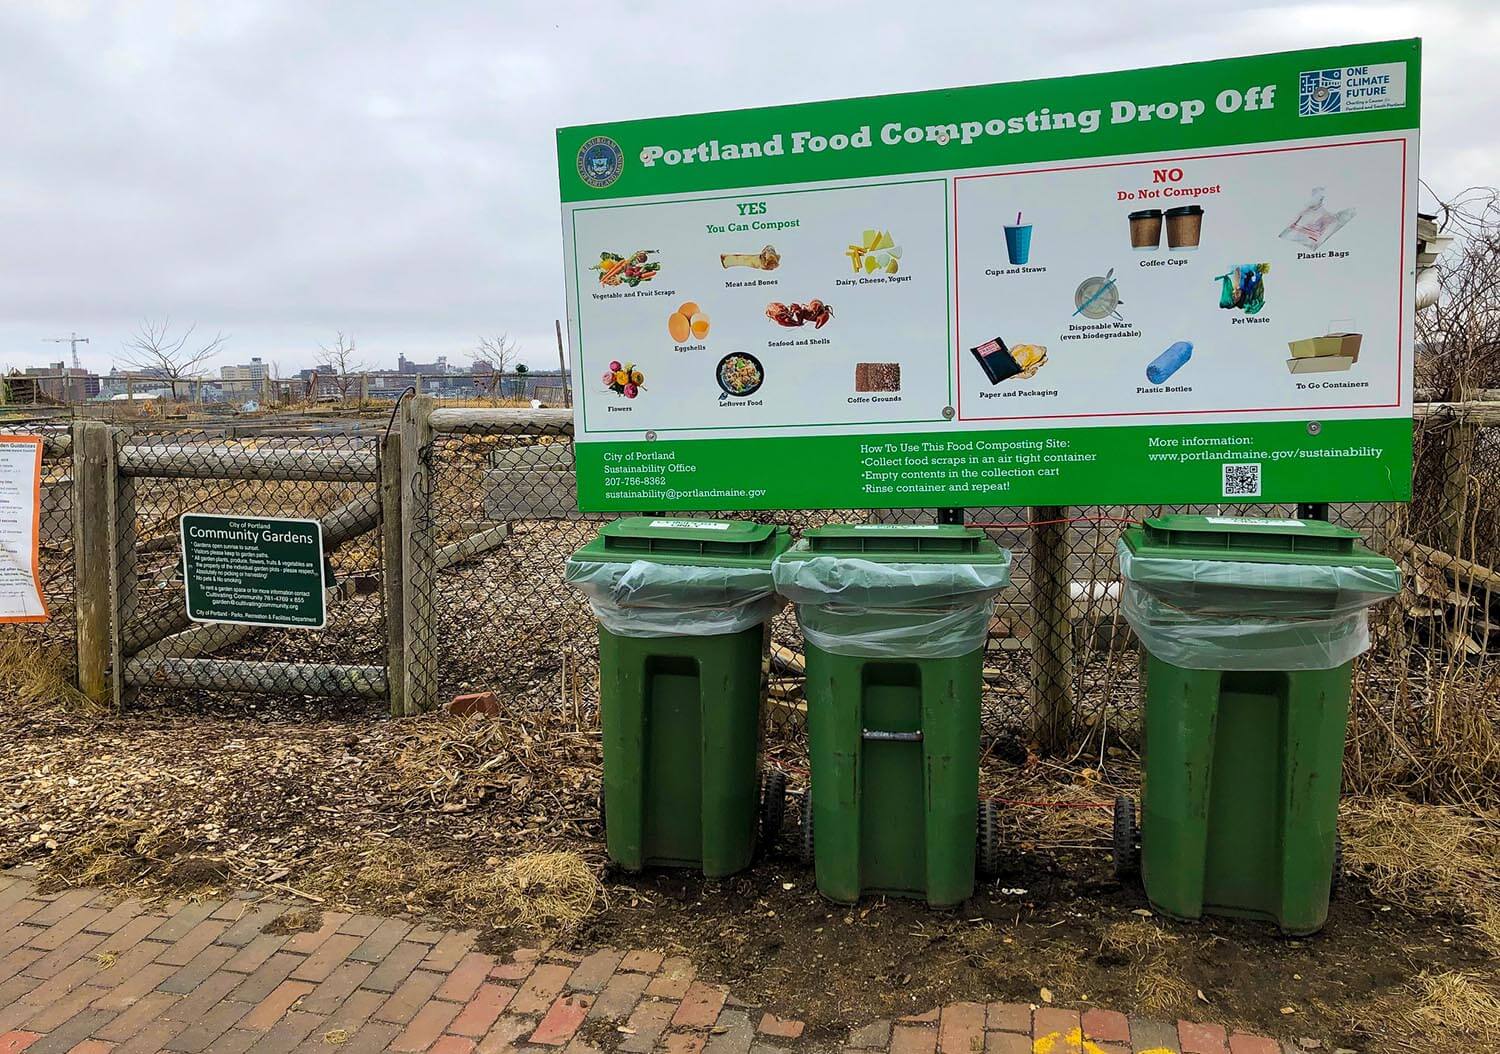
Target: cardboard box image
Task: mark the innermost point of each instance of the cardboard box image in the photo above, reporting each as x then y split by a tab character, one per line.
1319	364
1345	345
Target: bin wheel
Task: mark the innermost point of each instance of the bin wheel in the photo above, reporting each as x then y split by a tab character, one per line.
772	806
989	839
1336	886
1127	847
805	833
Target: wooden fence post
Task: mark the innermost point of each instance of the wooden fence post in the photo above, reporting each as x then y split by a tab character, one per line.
91	555
1052	656
393	576
418	588
120	515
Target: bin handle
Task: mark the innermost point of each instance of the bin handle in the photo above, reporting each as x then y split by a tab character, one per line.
890	737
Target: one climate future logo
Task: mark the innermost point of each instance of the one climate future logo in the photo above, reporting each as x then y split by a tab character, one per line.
599	161
1321	91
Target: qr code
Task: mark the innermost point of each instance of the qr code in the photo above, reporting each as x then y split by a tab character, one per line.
1320	91
1242	481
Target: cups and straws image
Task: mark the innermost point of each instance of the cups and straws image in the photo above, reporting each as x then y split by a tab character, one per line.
1159	369
1097	297
1018	242
1184	228
1145	230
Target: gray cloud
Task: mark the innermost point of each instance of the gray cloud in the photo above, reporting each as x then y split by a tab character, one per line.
282	170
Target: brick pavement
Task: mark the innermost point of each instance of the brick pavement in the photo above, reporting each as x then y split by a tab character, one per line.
83	972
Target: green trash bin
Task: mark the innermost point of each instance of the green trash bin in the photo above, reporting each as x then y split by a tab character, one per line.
895	620
682	606
1250	628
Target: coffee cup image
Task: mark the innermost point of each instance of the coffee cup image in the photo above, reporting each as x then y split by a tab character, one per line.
1184	228
1145	230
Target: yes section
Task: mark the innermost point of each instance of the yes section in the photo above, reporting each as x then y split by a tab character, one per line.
765	309
1364	460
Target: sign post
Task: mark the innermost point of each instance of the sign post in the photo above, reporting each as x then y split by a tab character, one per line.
1190	284
253	571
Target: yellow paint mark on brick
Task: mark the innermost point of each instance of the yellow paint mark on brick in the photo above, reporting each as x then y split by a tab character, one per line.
1070	1043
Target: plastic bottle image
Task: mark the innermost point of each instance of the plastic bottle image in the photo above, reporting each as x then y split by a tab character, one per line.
1169	362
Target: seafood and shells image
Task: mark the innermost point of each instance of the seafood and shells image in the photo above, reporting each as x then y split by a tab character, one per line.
793	315
687	322
631	270
739	374
768	259
623	378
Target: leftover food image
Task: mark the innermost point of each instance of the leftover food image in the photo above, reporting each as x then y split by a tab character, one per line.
1159	369
1018	242
1331	353
1184	227
1315	224
631	270
623	378
876	251
1097	297
1001	363
739	374
768	259
793	315
1243	286
688	321
877	376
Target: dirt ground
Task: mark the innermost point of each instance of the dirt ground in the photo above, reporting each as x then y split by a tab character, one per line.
492	823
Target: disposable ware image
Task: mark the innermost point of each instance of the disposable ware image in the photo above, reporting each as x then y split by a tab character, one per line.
1169	362
1097	297
1145	230
1018	241
1314	225
1184	227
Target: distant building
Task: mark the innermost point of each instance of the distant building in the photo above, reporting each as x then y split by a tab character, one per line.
59	382
405	365
247	377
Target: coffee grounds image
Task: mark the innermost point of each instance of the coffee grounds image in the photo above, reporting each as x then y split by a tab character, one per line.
877	376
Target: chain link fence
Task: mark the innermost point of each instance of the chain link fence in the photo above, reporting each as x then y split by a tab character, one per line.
1061	670
331	477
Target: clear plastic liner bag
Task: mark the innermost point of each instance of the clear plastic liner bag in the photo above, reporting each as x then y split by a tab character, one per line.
645	599
1239	615
870	609
1314	225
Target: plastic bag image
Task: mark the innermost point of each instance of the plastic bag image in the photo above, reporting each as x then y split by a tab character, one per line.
1314	225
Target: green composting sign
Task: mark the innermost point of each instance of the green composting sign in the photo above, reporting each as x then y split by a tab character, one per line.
256	571
1185	284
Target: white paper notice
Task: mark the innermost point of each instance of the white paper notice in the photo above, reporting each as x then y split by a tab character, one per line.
20	523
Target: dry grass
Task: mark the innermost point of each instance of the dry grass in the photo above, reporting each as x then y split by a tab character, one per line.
553	891
1147	950
117	853
1448	1003
34	673
1160	988
1430	858
1135	939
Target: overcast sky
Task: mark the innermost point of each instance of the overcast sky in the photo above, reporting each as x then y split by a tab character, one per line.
284	170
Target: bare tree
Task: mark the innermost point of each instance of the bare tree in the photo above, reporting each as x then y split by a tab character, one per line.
340	362
498	353
155	352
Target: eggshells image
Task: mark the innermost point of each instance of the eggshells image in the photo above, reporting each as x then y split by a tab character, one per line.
679	327
698	323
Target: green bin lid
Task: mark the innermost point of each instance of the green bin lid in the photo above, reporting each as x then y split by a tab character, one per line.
686	541
902	543
1251	539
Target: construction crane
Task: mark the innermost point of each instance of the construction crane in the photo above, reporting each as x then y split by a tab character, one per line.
73	340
